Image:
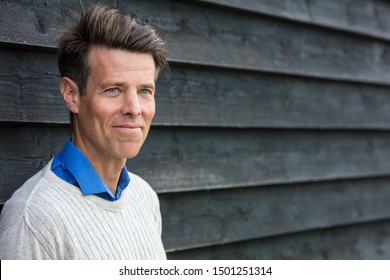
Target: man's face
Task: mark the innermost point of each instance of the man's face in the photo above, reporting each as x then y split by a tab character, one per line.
115	114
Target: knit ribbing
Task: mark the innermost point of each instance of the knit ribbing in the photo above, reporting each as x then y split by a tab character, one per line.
57	222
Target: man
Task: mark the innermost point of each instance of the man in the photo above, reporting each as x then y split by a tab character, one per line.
84	204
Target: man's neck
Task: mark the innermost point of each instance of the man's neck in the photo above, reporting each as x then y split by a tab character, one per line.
108	169
109	173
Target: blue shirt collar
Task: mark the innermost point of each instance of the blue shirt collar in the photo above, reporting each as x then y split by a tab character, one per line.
86	176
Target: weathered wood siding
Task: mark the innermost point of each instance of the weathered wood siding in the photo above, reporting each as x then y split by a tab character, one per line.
271	138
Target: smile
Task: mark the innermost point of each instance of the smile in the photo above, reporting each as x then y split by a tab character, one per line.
128	128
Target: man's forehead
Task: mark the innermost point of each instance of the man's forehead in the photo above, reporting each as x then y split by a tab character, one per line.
100	56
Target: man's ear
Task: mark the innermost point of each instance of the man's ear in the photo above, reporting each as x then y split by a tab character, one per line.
70	93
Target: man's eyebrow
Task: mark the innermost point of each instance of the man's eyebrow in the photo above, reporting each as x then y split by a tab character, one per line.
123	84
113	83
148	85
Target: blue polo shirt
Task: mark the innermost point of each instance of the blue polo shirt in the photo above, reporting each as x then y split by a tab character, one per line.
72	166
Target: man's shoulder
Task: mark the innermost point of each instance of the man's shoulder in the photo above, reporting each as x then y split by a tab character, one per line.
14	208
25	197
22	195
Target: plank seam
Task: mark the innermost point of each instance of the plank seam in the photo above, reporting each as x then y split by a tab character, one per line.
336	226
50	49
338	28
270	184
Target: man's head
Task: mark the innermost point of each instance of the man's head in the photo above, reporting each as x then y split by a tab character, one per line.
98	25
109	63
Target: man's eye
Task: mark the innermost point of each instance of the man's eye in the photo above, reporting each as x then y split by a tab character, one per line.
145	91
113	91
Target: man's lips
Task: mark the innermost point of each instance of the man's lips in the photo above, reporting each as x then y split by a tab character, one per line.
127	128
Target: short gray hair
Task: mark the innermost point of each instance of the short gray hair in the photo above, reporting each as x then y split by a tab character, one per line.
98	25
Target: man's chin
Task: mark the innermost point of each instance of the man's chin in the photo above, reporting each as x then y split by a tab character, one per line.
128	154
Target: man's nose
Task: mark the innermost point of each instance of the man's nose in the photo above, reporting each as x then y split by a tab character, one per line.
131	105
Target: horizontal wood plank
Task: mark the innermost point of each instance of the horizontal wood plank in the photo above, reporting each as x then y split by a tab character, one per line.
368	18
354	242
29	88
29	92
208	36
202	219
175	160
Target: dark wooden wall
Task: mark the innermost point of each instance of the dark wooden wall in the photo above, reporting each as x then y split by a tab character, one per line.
272	137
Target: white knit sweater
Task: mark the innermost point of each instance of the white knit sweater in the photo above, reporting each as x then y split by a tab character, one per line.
47	218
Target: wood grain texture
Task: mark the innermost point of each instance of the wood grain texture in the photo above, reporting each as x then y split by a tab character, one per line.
29	93
175	160
201	219
202	35
368	18
29	88
367	241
